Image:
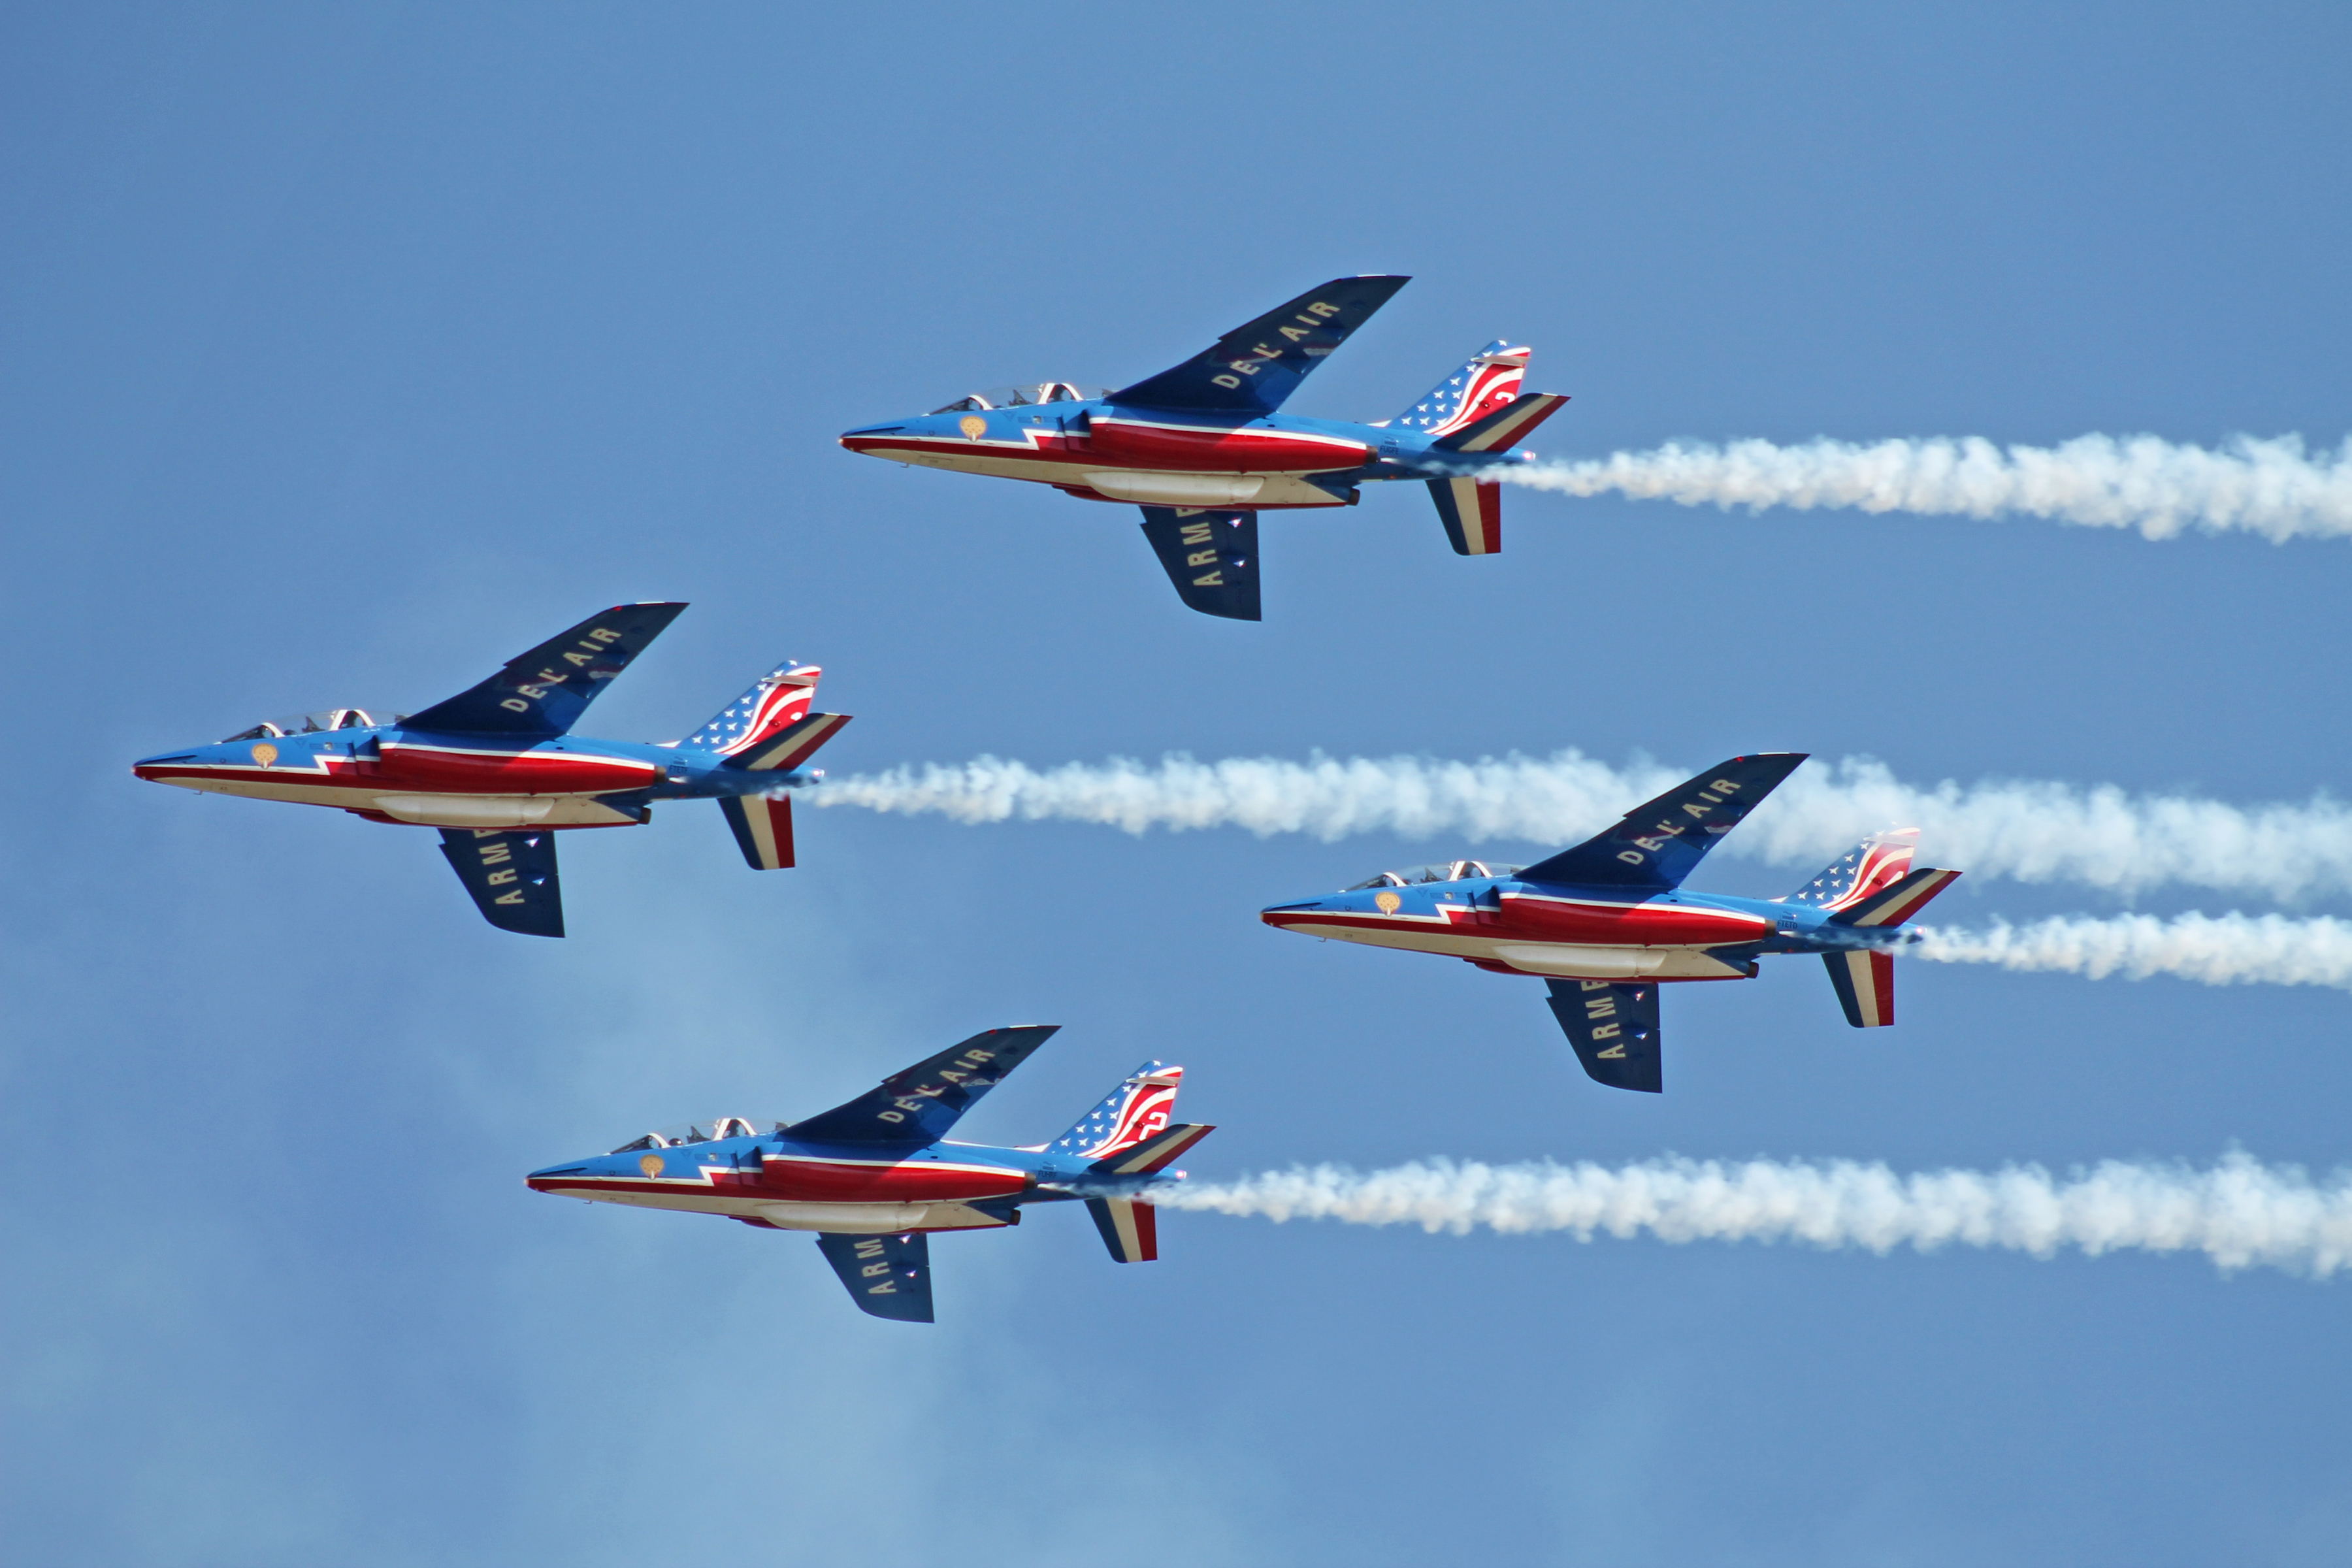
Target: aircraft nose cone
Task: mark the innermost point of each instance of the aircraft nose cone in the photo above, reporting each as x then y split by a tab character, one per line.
147	767
855	440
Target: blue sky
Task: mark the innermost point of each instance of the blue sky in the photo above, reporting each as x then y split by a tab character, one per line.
349	350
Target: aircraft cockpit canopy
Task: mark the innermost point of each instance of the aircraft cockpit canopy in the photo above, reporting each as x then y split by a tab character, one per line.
314	723
1027	395
709	1131
1436	871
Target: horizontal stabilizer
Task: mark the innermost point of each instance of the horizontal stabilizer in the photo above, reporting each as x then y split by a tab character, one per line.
1506	428
510	876
1660	842
919	1104
887	1276
1210	556
1130	1227
1866	986
763	829
1900	902
1472	513
544	692
1615	1029
1253	368
792	746
1156	1152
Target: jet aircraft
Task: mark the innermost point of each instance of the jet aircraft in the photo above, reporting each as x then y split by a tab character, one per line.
874	1178
498	769
1203	447
1606	922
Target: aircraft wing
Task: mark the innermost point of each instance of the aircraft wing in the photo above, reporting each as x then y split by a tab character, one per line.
1210	556
510	876
1660	842
1252	369
1615	1029
544	692
919	1104
887	1276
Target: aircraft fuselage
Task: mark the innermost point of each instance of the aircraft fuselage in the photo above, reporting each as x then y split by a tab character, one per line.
848	1189
388	774
1595	934
1100	451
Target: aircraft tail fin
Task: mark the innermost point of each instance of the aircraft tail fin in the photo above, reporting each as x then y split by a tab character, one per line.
1869	867
1130	1227
771	726
1864	983
1138	1109
1472	513
1490	380
1864	978
763	829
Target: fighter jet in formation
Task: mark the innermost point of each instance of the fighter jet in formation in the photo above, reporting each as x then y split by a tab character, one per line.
874	1178
1606	922
498	769
1203	448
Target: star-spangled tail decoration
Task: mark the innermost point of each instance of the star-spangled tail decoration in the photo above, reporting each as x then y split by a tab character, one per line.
777	701
1140	1107
1871	866
1490	380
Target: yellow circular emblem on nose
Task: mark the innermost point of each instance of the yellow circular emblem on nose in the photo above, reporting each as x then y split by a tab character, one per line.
651	1164
1387	903
973	426
265	754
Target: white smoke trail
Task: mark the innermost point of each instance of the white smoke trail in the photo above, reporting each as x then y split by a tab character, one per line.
2238	1213
2035	832
2226	950
2267	486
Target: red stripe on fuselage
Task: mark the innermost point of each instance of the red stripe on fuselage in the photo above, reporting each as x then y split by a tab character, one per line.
794	1179
448	771
1524	917
1188	449
1164	448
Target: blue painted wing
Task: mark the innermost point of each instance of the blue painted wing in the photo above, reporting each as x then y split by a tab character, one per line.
887	1276
919	1104
544	692
510	876
1253	368
1661	842
1614	1027
1210	556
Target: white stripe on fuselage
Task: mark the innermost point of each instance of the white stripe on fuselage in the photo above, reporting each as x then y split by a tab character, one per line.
1687	960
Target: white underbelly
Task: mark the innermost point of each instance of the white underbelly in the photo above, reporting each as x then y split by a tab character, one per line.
1568	960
